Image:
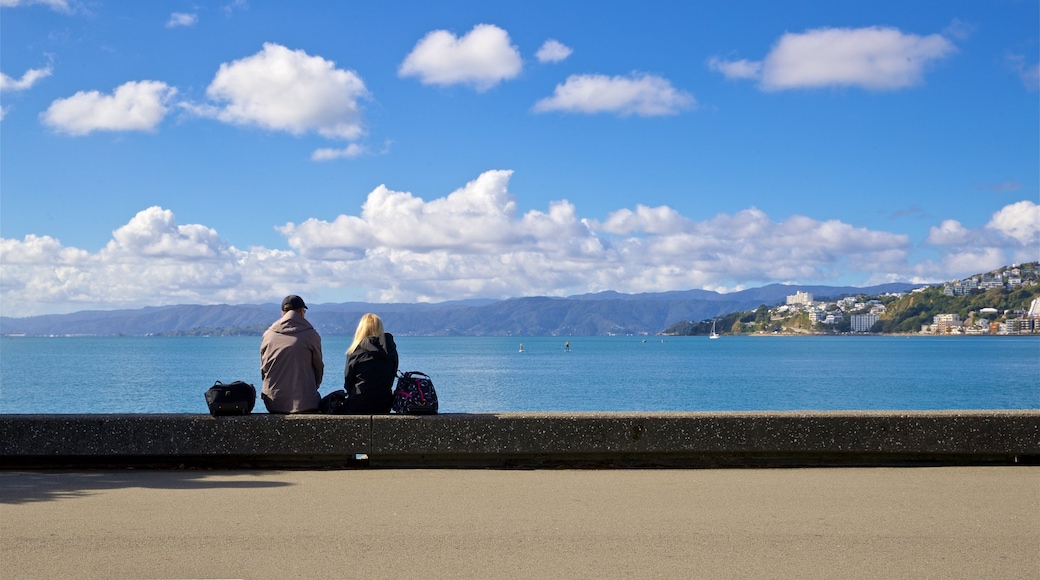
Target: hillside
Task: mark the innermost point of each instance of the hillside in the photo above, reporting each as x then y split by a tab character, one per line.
981	304
910	313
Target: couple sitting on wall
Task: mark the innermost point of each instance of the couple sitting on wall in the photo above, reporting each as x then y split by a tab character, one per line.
292	368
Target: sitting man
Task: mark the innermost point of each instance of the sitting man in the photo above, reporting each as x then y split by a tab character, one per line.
290	361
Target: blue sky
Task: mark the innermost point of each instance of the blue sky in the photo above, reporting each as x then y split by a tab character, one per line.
233	152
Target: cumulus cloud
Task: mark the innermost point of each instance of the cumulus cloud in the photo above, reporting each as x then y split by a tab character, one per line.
481	58
134	106
149	261
949	233
287	90
154	233
1011	235
38	250
637	94
475	242
652	220
150	255
873	58
1018	221
482	212
182	19
28	79
553	51
1017	224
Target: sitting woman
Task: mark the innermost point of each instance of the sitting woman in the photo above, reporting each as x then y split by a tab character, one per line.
371	369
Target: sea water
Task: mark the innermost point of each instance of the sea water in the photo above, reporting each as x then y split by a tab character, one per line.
481	374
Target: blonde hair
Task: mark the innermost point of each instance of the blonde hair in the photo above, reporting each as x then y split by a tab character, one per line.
369	325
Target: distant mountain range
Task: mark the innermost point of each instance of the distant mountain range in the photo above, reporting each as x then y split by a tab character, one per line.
603	313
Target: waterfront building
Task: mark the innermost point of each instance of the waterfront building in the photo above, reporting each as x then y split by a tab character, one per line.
1021	326
945	323
864	322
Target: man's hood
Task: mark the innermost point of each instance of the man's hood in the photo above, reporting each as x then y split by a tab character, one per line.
291	323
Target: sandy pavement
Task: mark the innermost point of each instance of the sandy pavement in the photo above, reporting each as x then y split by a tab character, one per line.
956	522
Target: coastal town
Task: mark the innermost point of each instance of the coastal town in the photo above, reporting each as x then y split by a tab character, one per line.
1002	302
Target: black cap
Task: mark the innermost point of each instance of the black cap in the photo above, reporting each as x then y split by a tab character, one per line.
292	302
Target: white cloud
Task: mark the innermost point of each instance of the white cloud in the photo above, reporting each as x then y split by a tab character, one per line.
134	106
652	220
1018	221
553	51
349	152
26	82
482	212
475	242
287	90
482	58
873	58
736	69
38	250
958	262
150	261
644	95
1016	224
154	233
182	19
56	5
948	233
1011	235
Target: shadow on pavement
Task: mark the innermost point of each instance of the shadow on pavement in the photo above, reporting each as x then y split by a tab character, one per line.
25	487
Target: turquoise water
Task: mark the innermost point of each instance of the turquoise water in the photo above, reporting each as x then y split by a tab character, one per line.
169	375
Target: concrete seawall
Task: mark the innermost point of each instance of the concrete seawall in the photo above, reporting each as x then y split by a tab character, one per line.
837	438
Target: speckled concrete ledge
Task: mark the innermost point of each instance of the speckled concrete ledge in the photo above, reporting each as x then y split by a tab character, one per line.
525	439
146	440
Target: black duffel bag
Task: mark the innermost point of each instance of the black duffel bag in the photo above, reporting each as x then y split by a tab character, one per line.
235	398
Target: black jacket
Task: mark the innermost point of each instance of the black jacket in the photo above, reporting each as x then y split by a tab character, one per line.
369	375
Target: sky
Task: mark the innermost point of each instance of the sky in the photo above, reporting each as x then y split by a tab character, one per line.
191	152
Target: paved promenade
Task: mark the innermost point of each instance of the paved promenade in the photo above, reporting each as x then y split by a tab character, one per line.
947	522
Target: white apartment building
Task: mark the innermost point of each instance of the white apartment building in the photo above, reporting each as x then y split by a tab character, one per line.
800	298
864	322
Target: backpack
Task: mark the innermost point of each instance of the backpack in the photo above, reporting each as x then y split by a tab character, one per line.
236	398
414	394
334	403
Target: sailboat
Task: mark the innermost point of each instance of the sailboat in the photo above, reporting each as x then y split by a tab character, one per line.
713	333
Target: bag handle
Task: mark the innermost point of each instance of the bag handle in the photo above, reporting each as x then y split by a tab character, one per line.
402	375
